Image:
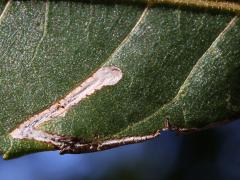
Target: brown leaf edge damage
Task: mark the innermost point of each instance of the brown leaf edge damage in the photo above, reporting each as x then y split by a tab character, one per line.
75	146
105	76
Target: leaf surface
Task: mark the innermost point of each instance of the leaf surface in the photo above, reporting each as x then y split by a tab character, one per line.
179	69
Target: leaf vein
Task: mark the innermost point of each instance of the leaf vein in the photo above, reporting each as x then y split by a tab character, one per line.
218	38
132	31
43	34
7	6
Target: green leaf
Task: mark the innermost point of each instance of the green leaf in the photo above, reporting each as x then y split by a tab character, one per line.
88	76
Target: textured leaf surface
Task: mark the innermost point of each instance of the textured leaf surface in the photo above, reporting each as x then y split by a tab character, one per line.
180	69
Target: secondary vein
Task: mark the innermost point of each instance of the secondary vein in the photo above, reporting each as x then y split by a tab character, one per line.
219	37
7	6
43	34
127	37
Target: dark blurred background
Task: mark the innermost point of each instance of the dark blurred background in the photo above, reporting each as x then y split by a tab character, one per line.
210	154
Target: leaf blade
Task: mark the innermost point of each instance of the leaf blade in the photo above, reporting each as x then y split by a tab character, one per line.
156	47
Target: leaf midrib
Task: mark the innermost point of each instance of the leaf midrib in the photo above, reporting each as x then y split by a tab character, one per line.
221	5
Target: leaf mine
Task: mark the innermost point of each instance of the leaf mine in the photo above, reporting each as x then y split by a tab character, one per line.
105	76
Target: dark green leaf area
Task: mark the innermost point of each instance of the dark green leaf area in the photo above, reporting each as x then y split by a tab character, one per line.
156	59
